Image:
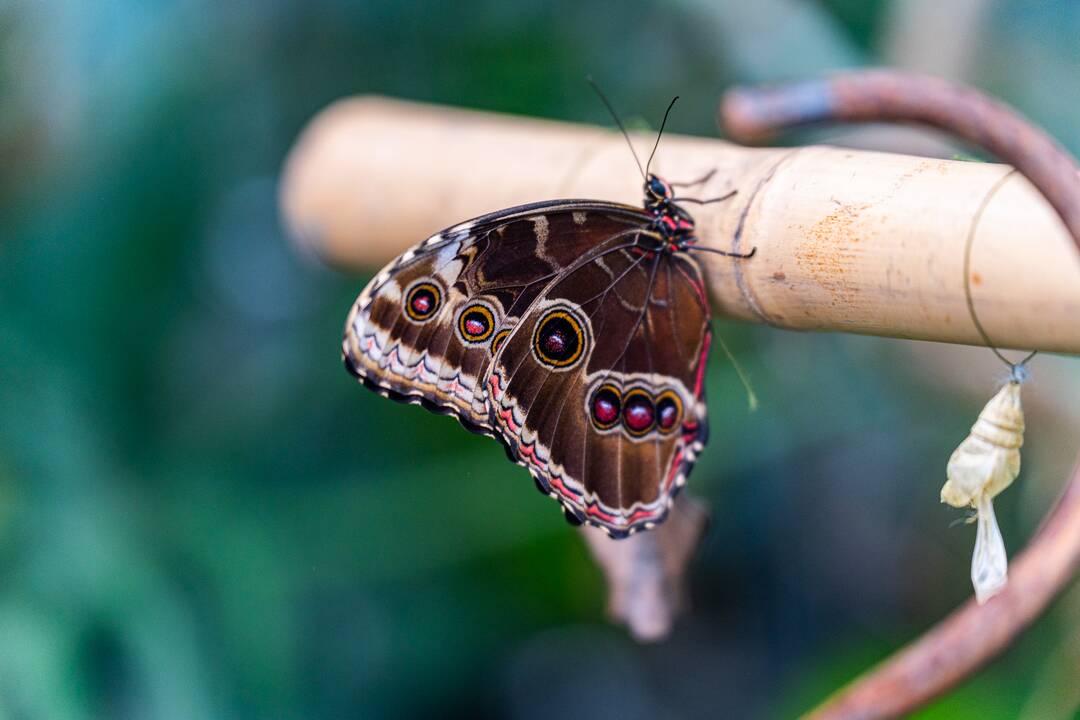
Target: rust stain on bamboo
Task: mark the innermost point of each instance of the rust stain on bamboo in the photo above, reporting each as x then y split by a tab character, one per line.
828	257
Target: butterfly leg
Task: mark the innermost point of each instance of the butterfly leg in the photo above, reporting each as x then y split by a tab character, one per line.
725	253
693	183
725	196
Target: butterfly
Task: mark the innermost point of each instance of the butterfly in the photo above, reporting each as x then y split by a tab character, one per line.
574	331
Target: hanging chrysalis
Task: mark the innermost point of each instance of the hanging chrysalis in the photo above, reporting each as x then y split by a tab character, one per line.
988	460
985	463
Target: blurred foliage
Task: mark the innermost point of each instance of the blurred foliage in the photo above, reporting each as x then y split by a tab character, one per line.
201	515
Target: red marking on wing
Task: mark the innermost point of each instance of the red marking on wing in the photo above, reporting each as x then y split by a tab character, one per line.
700	380
562	489
507	416
595	511
642	514
528	451
696	283
676	463
495	384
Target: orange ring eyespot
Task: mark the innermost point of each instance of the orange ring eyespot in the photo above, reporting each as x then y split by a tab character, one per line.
638	412
498	340
476	323
559	340
422	300
669	411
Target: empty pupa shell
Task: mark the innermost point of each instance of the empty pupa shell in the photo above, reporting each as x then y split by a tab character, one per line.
989	561
988	460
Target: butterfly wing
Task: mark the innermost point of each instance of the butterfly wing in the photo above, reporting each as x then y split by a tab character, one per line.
599	389
425	328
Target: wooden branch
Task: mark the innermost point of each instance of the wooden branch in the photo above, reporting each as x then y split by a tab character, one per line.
646	572
974	634
846	240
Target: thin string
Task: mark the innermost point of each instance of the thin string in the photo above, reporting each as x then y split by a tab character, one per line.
1018	370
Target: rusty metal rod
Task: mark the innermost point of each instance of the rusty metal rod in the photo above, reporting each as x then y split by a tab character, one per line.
972	635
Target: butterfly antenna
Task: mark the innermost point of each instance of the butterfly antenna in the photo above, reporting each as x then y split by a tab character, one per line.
603	99
662	124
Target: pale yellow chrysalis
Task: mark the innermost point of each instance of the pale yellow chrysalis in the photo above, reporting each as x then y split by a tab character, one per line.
985	463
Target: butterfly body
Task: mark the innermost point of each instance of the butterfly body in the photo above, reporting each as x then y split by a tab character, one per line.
573	331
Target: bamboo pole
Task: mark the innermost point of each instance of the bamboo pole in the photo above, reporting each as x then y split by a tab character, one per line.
846	240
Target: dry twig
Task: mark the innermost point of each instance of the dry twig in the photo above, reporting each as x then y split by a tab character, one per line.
646	573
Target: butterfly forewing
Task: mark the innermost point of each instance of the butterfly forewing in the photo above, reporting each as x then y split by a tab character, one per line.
424	329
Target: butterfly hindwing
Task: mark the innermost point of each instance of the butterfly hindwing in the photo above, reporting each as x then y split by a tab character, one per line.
598	391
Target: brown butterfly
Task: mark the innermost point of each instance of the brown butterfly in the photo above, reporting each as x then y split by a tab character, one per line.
573	331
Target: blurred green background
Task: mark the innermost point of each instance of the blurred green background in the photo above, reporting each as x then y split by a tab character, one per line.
203	516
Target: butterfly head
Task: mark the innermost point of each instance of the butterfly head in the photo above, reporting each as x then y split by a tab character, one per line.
658	193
